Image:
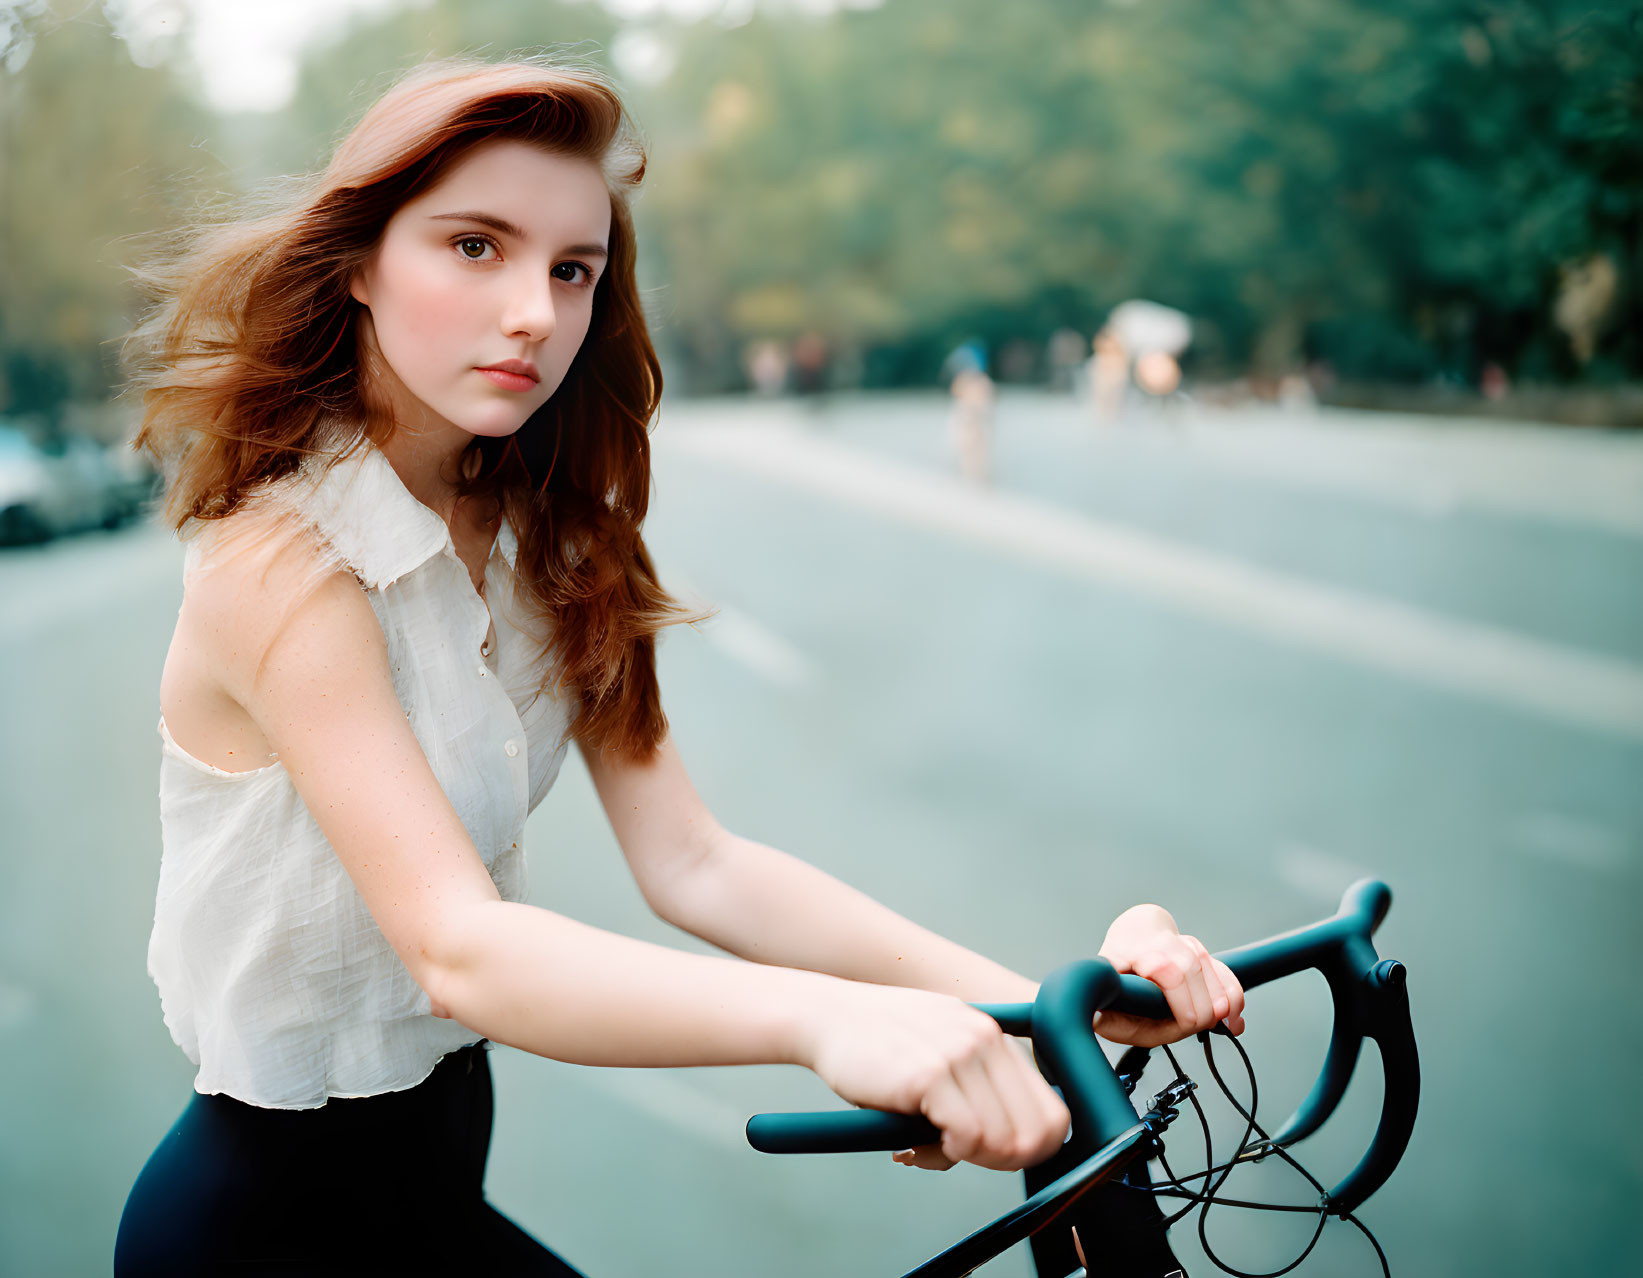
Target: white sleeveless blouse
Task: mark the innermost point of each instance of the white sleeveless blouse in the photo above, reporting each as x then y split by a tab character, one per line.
273	977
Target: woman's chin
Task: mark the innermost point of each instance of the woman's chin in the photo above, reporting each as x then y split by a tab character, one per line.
484	427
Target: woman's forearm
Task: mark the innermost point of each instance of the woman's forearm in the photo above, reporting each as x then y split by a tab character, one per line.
539	981
762	904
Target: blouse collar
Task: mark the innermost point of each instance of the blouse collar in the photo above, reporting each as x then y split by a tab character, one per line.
372	519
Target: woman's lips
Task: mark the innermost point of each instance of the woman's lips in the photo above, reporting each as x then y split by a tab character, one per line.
509	381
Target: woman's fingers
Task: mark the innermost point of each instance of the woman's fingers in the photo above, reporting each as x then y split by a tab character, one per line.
1226	994
1235	995
1038	1119
1203	1004
929	1157
1051	1109
985	1134
1172	972
1220	1001
946	1104
994	1110
1200	989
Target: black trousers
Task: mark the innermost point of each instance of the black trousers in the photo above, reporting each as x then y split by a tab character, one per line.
388	1184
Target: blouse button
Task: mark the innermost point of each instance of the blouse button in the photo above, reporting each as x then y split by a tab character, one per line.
483	671
512	748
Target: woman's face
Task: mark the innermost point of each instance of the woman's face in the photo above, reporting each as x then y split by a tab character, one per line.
495	262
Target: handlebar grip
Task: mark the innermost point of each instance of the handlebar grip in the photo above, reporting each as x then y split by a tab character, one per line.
1060	1026
1140	997
849	1131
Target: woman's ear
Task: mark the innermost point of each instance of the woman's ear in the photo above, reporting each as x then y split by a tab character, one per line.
356	287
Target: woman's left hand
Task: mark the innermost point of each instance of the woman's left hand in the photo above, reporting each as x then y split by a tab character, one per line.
1202	991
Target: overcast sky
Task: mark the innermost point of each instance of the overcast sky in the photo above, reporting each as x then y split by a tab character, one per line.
247	51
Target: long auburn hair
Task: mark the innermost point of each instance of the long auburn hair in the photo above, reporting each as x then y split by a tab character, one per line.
250	351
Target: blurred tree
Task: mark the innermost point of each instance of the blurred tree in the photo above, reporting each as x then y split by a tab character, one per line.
341	77
1434	170
95	151
897	176
1530	171
1406	187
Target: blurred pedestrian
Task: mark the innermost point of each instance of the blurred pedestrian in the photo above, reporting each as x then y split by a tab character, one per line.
1144	327
1065	352
1018	361
766	363
1154	338
1109	377
971	424
1295	393
1158	374
809	364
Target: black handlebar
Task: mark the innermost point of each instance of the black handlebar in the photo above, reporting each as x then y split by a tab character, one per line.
1370	1001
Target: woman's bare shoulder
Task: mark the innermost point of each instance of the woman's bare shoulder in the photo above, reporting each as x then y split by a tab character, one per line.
254	575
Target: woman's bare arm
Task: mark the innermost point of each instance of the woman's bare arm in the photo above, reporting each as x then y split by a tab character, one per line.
316	682
764	905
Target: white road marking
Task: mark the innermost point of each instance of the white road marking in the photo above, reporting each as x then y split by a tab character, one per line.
1315	873
1588	690
1567	839
759	648
1582	478
744	640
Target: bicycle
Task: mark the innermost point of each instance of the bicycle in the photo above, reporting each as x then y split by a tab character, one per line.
1111	1143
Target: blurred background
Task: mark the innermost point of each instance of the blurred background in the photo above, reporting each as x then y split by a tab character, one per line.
1139	451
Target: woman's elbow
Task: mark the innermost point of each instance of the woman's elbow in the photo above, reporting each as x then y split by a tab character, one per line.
445	963
436	1002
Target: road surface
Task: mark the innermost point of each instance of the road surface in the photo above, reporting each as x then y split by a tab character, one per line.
1229	661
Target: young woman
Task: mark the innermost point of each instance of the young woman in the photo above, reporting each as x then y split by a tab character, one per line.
404	420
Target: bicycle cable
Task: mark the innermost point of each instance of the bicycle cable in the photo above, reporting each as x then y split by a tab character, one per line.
1201	1200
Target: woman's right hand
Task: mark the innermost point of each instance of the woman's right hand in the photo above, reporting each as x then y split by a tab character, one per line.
915	1052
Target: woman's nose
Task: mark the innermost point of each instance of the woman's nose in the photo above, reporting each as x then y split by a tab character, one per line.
529	311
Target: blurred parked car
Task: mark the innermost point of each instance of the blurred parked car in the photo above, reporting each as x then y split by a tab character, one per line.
67	485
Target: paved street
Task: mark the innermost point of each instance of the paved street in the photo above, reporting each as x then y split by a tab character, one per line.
1229	661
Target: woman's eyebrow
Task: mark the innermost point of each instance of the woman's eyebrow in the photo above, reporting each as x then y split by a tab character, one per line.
508	228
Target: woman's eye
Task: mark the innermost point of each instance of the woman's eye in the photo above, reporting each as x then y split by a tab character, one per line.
477	243
472	248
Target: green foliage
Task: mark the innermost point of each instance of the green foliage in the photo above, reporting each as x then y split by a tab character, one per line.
95	152
1397	185
340	78
1408	188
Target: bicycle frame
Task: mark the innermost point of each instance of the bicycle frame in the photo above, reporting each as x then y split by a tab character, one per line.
1370	1000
